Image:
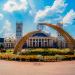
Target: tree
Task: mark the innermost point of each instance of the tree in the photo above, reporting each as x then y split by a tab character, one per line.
1	48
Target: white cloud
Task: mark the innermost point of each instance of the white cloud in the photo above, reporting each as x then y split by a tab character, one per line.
7	25
7	29
51	12
32	6
69	17
14	5
1	16
58	5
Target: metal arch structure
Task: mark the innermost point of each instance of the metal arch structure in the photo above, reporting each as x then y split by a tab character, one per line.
67	37
20	44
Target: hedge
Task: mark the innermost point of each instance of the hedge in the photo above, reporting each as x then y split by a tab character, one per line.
36	57
46	52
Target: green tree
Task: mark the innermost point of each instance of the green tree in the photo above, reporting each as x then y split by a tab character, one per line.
1	48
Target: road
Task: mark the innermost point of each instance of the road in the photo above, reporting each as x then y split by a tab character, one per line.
36	68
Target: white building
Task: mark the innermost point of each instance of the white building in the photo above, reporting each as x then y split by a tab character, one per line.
44	40
38	40
9	42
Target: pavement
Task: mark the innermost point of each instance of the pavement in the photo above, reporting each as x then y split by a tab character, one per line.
37	68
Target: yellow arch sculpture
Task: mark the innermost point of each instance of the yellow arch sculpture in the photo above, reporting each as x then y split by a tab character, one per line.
20	44
67	37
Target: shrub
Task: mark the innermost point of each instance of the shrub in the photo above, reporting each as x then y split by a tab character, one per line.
59	57
47	52
36	57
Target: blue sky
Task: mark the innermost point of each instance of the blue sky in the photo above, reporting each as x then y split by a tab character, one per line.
30	12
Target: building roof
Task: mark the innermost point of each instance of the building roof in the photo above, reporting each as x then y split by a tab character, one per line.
40	34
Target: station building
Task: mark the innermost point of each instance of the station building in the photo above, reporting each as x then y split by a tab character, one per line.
44	40
40	39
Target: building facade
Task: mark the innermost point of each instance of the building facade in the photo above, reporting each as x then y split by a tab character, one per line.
9	43
19	29
36	40
58	34
44	40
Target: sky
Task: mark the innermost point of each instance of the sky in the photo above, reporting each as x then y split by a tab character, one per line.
31	12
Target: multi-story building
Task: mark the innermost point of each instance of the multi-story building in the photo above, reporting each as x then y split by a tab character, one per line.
19	29
44	40
9	43
40	39
59	35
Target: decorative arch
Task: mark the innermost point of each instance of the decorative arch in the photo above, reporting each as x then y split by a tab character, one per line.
67	37
20	44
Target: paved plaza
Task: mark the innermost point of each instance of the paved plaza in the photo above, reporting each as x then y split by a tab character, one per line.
37	68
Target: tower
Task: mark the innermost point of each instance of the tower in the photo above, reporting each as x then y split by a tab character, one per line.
59	35
19	28
60	38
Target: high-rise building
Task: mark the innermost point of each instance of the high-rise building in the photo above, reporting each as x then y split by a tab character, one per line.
19	28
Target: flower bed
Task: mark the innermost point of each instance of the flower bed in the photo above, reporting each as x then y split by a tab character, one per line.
46	52
36	57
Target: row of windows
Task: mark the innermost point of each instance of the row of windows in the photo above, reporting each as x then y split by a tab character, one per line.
40	39
39	45
45	44
9	45
18	34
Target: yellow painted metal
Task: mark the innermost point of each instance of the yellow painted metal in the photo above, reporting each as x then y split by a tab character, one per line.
67	37
20	44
